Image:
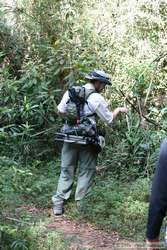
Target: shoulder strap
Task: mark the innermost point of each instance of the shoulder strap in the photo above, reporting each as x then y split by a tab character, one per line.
76	97
88	92
72	94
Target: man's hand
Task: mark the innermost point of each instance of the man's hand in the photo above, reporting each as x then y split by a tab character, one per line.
123	110
119	110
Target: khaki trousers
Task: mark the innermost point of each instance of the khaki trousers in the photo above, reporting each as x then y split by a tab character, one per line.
85	158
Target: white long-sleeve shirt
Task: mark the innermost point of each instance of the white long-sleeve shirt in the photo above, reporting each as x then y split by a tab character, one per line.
96	104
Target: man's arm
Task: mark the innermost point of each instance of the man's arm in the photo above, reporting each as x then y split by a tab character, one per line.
104	113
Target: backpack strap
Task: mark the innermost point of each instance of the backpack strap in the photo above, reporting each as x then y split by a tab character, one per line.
90	91
87	96
73	95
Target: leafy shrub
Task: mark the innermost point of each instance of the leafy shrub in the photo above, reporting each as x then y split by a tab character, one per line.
28	238
32	184
119	206
47	47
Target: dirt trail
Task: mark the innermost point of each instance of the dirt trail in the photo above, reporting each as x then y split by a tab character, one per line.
81	235
85	236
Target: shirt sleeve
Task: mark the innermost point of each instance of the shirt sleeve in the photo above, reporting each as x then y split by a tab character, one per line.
99	106
63	104
104	113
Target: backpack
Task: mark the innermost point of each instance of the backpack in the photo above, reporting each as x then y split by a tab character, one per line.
78	123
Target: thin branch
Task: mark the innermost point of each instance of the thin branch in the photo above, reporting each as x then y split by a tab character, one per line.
157	59
138	111
16	220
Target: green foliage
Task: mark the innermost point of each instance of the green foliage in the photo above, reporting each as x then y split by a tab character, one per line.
21	185
24	237
28	113
11	48
46	46
119	206
112	204
32	184
58	48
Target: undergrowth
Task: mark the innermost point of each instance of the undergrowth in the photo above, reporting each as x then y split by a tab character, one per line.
47	46
112	205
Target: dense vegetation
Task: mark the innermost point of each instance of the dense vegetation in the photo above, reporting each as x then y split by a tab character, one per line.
45	46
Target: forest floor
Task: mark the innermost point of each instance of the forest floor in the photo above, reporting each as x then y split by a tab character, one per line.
79	234
86	236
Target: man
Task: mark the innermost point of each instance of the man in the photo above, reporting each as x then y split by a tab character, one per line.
85	155
158	199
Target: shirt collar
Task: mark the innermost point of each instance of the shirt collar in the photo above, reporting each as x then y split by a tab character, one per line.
89	86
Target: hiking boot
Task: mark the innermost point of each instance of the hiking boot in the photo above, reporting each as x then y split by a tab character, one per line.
58	208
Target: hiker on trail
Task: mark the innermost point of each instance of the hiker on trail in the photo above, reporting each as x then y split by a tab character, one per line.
93	104
158	199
